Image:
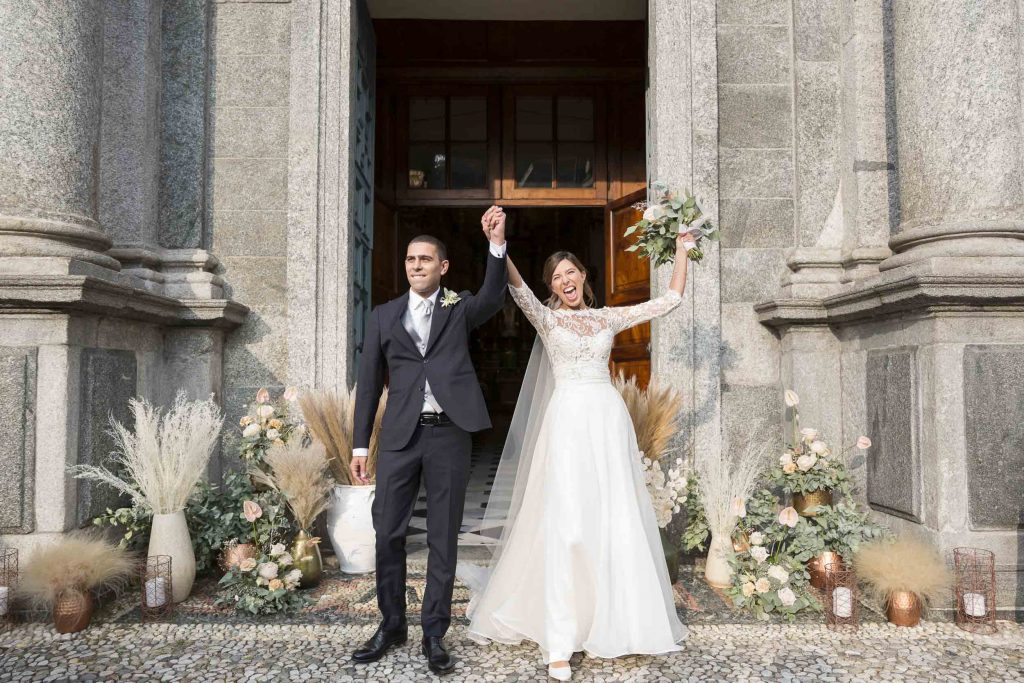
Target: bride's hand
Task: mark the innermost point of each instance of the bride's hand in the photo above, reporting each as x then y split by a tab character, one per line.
687	240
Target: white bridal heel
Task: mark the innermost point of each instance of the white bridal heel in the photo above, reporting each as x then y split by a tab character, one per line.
560	673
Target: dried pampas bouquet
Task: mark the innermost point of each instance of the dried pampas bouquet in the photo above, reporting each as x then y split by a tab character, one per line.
329	414
300	475
654	412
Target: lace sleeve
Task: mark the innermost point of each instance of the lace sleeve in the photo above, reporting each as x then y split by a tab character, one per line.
624	317
539	315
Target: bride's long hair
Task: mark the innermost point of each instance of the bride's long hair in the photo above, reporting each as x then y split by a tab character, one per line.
553	302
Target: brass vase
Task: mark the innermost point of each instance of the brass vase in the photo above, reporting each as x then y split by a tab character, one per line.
903	608
803	501
72	611
740	542
306	555
817	564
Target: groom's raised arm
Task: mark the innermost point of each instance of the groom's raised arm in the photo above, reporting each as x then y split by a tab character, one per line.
490	298
368	388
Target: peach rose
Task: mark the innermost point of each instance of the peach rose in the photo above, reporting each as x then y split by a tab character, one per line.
763	585
789	467
748	589
275	584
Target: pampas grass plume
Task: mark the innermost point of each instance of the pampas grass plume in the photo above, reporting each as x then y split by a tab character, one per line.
300	474
330	414
80	561
906	564
654	412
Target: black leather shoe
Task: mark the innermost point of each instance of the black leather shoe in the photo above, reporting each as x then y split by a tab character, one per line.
378	646
438	659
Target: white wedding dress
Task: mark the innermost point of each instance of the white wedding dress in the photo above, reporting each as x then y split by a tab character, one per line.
581	565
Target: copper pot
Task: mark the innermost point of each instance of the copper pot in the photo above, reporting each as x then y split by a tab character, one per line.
72	611
233	555
903	608
803	501
817	564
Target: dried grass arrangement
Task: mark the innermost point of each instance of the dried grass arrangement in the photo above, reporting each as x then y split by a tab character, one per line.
654	411
166	455
300	474
725	486
80	562
329	414
904	565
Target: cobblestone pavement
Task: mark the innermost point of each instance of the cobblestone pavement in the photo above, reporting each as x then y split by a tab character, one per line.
301	652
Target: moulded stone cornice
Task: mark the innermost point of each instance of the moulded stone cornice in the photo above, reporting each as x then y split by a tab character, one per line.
76	293
882	297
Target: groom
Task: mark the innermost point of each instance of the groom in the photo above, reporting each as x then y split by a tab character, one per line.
421	340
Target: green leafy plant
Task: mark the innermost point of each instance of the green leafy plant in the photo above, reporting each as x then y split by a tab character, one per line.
212	513
842	528
697	532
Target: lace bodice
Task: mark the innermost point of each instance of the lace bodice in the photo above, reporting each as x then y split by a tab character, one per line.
578	343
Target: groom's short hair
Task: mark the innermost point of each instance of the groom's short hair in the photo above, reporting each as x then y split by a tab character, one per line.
442	251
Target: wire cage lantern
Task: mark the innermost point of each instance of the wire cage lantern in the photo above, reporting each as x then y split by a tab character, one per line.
8	585
156	588
974	588
841	604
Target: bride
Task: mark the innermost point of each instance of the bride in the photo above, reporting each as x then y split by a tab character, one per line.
580	566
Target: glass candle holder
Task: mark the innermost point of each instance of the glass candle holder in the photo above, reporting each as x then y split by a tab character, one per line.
156	587
974	589
841	604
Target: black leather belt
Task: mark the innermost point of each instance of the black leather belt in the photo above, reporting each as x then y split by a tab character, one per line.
434	419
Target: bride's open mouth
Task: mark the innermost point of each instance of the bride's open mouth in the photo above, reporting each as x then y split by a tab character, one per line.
571	293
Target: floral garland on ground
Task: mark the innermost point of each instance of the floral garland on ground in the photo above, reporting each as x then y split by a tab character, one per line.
267	583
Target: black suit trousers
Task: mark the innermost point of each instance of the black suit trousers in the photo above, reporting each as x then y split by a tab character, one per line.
439	455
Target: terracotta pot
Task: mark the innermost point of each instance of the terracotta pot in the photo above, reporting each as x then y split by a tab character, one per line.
72	611
306	555
903	608
233	555
803	501
816	566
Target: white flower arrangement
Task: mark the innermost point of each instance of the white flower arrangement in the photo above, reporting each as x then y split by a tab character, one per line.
666	217
449	298
667	489
268	424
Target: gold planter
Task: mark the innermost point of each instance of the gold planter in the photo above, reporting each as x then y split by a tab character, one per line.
803	501
817	564
903	608
72	611
306	554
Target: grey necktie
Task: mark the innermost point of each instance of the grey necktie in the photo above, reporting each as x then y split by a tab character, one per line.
426	307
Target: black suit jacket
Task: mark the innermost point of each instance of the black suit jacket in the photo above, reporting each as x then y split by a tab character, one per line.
446	364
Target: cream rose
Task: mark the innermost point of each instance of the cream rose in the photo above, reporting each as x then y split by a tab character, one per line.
275	584
806	462
251	431
248	564
786	596
759	553
763	585
819	447
785	458
268	570
277	549
273	434
748	589
757	538
778	573
264	411
789	467
245	421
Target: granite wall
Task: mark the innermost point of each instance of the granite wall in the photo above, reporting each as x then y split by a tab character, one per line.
248	193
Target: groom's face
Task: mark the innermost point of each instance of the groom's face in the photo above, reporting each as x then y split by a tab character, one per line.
424	268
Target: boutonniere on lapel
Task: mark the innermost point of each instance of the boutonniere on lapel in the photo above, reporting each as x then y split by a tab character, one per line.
450	298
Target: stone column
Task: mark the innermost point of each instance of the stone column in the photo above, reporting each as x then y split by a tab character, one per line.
959	141
51	57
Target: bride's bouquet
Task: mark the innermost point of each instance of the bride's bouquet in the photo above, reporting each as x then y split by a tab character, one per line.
665	218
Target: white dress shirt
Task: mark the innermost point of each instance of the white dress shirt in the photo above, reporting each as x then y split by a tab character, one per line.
419	329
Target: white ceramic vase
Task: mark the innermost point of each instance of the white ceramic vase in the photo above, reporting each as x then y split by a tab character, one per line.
717	571
350	526
169	536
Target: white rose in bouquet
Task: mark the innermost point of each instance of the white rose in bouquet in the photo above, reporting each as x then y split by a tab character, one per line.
748	589
251	431
763	585
277	549
786	596
757	538
778	573
806	462
273	434
759	553
818	447
267	570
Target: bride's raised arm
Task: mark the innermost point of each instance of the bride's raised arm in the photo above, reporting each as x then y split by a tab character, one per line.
539	315
624	317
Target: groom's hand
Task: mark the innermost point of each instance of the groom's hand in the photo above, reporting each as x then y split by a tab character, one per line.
493	222
359	470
